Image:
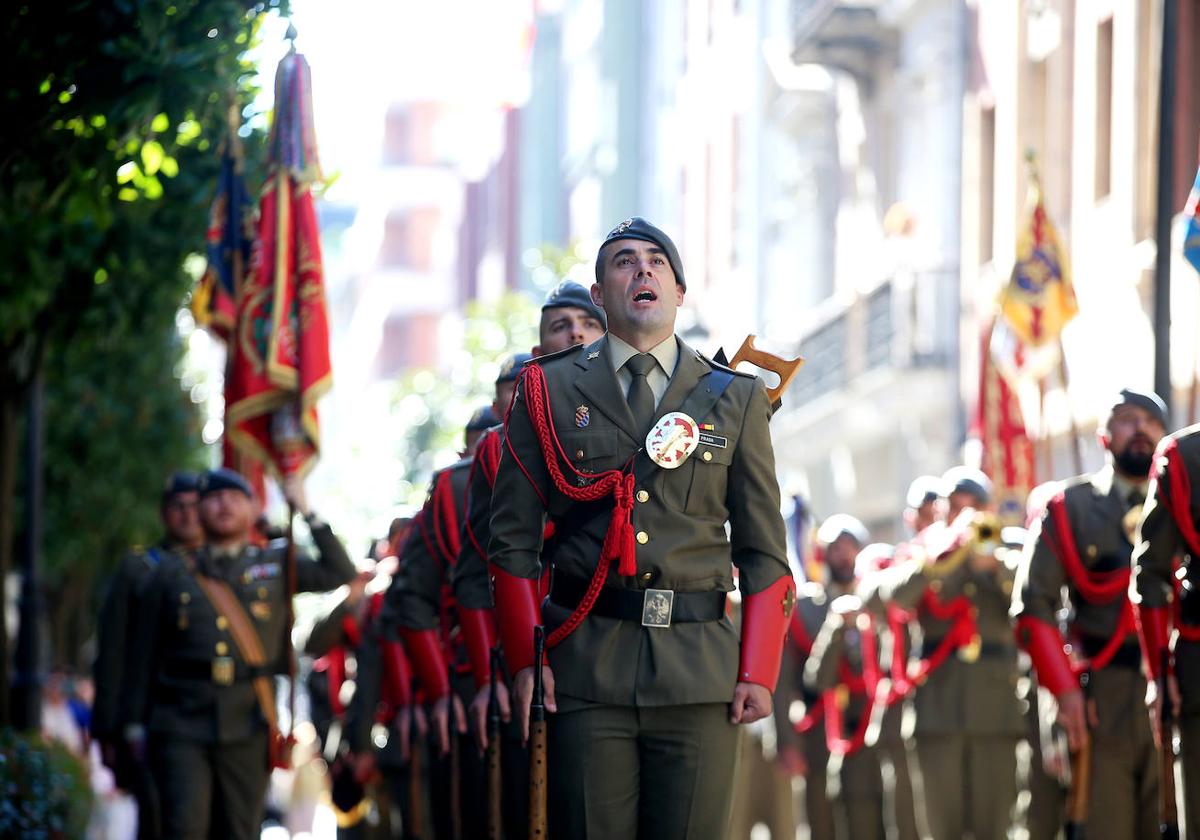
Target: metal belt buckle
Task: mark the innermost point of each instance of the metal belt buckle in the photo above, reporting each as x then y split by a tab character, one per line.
222	670
657	605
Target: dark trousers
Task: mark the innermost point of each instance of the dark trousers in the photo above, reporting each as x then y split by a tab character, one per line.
216	790
625	772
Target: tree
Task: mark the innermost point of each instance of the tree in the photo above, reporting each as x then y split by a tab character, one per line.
113	112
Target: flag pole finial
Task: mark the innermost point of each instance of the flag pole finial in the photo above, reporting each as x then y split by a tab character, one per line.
290	37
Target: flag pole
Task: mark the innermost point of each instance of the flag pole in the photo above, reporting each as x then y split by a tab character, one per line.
1164	210
1076	443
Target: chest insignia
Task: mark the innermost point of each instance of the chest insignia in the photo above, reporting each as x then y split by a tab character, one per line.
674	437
595	354
583	417
261	610
260	571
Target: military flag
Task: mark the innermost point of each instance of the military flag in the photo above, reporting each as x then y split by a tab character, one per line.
231	222
1191	232
1039	298
281	366
1007	451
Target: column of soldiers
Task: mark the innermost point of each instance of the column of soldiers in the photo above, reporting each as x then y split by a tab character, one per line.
628	491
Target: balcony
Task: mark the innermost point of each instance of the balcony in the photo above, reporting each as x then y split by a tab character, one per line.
841	34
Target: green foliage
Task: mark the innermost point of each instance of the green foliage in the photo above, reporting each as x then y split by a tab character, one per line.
114	113
435	409
44	790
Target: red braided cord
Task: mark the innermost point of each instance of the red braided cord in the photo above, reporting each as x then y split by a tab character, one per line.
867	683
1178	501
618	541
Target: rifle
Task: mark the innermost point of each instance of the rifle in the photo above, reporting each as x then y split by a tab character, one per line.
415	823
1077	796
785	369
1168	824
495	808
537	742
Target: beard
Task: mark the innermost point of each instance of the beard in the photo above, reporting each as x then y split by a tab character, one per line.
1134	463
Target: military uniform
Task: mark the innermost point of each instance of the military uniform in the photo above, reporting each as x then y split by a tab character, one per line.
1166	537
1083	542
968	720
208	739
420	604
641	744
115	632
349	645
808	734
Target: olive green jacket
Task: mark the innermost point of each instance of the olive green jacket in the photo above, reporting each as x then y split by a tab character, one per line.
179	633
965	697
471	580
680	518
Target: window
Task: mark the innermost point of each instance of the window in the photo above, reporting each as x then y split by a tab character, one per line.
1104	93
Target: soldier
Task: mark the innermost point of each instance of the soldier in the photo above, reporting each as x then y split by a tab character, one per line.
419	604
1083	545
115	625
968	720
211	636
804	745
1166	591
371	735
658	448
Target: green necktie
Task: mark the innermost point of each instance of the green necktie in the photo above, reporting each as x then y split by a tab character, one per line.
640	397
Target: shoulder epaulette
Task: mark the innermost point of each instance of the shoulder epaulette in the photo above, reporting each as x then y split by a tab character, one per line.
561	354
726	368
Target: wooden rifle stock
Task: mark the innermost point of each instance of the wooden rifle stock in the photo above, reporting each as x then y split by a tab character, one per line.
1168	824
1077	796
785	369
416	797
494	789
537	743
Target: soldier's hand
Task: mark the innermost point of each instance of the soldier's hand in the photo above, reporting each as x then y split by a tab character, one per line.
523	684
1072	716
442	709
293	491
479	711
751	702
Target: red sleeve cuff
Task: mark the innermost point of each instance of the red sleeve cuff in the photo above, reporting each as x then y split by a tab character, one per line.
425	651
479	633
517	613
765	617
1045	647
1154	631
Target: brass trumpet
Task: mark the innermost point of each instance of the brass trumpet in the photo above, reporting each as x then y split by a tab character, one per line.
982	534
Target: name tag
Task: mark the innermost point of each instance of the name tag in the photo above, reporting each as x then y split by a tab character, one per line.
709	439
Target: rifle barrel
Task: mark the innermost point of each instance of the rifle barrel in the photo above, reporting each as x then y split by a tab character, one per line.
538	825
495	794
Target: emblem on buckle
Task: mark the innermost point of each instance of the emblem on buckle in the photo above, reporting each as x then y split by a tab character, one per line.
222	670
657	605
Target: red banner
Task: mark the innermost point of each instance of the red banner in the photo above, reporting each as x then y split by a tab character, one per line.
1008	454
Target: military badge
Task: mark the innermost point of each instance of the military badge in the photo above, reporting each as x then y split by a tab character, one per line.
583	416
261	610
657	606
621	228
674	437
261	571
595	354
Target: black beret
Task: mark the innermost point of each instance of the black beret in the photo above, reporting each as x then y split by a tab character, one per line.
483	419
224	479
510	368
1147	400
639	228
570	293
967	480
180	482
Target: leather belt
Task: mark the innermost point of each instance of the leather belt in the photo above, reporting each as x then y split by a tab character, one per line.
990	650
650	607
220	670
1128	655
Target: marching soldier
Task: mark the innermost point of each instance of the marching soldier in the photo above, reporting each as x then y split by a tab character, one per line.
1083	544
1166	590
211	636
804	747
657	449
968	720
419	604
115	626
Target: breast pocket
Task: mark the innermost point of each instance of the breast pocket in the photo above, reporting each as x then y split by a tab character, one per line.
698	485
592	451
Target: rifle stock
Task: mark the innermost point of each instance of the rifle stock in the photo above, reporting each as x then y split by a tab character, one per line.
495	808
1168	824
1077	796
537	743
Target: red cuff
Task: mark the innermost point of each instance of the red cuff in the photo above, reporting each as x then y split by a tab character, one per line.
765	617
517	613
397	675
479	633
425	651
1045	648
1154	631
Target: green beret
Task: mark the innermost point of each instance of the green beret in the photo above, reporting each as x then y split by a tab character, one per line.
639	228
